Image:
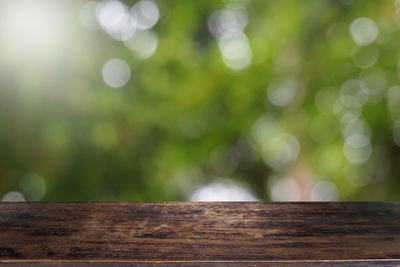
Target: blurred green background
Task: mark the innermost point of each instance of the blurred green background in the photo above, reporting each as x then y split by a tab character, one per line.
199	100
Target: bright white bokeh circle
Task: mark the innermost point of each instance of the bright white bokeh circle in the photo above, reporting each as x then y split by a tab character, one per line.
116	73
364	31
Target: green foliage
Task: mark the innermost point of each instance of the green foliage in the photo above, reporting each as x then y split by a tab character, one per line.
316	102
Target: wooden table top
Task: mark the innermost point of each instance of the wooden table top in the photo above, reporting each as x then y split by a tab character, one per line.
195	233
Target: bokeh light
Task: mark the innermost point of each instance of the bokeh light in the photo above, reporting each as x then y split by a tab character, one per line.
357	148
353	93
366	56
222	190
116	73
284	189
146	14
114	18
364	31
228	25
282	93
143	43
13	196
324	191
277	147
33	186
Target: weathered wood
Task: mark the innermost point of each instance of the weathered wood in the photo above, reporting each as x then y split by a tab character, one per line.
227	233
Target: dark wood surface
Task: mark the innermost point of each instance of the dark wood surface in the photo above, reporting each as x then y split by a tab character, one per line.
225	233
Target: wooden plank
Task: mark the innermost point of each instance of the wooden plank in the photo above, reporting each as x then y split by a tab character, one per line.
190	233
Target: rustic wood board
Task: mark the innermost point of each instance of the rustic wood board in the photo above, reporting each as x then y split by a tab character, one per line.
194	233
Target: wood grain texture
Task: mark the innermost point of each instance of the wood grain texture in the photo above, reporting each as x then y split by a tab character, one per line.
190	233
